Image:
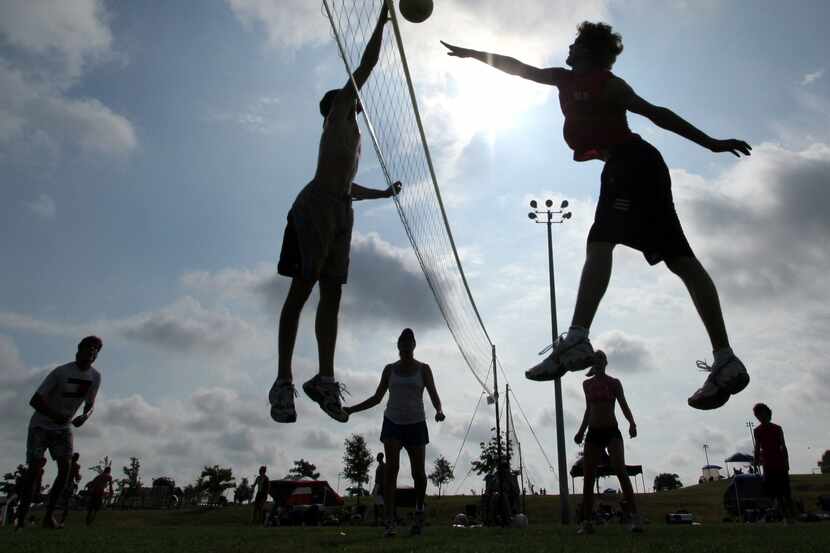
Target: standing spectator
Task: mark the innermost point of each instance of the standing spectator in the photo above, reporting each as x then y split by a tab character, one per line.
377	490
771	454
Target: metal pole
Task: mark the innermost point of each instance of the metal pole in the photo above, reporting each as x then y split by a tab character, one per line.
507	424
565	512
498	427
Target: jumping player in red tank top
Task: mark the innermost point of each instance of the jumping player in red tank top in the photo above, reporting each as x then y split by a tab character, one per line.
635	206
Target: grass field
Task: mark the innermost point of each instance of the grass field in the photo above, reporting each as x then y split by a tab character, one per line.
225	530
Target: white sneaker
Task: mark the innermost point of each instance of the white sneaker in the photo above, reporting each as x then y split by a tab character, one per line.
281	397
585	527
566	356
328	396
723	381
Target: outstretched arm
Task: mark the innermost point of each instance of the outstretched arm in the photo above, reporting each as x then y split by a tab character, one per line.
621	93
429	382
509	65
375	398
363	193
344	102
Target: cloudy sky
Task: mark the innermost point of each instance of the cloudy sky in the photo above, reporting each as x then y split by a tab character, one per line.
149	154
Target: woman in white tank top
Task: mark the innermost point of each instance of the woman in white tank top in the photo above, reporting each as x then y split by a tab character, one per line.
404	424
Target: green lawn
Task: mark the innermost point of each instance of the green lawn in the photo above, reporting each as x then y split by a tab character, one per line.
185	531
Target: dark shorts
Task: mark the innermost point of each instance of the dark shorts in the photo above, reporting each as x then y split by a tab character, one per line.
95	502
260	500
635	205
410	435
318	236
59	443
601	437
777	484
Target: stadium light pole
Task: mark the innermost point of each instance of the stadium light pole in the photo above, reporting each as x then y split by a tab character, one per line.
554	217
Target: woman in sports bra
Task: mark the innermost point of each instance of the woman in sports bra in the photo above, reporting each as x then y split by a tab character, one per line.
404	424
602	392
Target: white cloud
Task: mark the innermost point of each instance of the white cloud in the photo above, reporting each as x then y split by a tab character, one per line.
626	353
76	31
288	24
44	206
810	78
52	44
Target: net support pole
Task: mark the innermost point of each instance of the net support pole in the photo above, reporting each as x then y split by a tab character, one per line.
498	427
565	512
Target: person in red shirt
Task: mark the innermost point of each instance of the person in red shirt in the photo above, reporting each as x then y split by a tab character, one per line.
635	206
771	453
97	487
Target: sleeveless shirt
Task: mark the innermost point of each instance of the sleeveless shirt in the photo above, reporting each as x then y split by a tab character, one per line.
406	396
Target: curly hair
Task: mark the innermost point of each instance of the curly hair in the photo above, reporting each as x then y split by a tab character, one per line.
604	44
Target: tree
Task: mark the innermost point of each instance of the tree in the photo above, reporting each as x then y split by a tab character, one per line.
825	462
441	474
164	481
215	480
303	468
9	484
488	458
133	480
356	462
667	481
102	464
243	492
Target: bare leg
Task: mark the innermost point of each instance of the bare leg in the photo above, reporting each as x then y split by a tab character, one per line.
58	487
289	321
326	326
590	460
392	448
417	458
616	452
596	273
704	296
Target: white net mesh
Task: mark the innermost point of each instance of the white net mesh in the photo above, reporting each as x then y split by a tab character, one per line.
391	114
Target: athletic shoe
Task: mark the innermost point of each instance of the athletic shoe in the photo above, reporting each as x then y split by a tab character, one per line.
328	396
281	397
390	530
636	523
585	527
418	526
724	380
566	356
50	522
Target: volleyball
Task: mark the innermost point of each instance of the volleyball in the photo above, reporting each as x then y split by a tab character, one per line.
415	11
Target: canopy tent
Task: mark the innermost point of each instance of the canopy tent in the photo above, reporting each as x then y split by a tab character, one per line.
742	458
604	469
304	492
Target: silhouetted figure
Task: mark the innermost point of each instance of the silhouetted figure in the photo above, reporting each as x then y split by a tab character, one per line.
771	454
262	484
602	392
97	488
72	485
317	240
377	490
55	402
635	206
404	425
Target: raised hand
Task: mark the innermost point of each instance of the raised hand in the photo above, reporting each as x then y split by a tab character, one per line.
394	190
732	145
458	51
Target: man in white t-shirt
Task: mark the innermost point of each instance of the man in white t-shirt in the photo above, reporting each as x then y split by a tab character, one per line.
55	402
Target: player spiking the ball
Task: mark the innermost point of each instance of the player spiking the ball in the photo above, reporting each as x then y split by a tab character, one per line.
317	241
635	206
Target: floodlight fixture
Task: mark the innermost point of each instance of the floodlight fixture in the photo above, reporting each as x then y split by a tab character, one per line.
567	215
533	204
548	203
564	204
531	215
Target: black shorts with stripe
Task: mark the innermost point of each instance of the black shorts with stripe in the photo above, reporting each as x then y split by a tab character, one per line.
635	205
